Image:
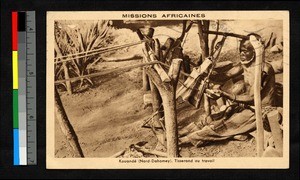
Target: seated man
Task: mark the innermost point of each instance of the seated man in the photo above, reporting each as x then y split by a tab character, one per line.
242	121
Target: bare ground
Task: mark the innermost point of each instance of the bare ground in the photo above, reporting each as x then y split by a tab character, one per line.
107	118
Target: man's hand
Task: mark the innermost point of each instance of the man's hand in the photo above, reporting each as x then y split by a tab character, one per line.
214	93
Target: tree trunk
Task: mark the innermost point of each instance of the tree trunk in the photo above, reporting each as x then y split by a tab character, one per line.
66	70
169	102
66	126
167	91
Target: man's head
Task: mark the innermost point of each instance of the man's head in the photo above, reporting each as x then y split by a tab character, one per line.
247	52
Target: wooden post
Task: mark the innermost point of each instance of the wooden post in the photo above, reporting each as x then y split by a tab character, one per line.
213	42
156	103
66	126
146	83
169	103
166	87
66	70
203	41
205	35
157	51
185	30
156	98
167	48
167	91
257	96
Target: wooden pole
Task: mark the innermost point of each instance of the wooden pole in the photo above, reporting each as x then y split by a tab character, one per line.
66	126
66	70
168	98
202	41
213	42
227	34
146	83
157	51
169	103
167	91
156	98
156	103
257	96
205	35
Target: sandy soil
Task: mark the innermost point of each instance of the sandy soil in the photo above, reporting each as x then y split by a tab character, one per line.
108	117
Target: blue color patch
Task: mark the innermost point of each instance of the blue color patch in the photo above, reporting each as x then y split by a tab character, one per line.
16	147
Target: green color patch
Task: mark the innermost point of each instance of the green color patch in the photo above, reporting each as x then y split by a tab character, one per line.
15	110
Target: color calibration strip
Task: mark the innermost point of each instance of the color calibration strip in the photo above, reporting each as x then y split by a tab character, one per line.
24	87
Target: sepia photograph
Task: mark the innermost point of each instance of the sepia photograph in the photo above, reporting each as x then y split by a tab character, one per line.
167	89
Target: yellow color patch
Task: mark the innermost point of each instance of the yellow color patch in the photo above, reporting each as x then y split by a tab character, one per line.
15	69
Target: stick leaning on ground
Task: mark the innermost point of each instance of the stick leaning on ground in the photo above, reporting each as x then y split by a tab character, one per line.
259	50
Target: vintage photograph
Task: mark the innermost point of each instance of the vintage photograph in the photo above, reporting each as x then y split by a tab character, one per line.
178	89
